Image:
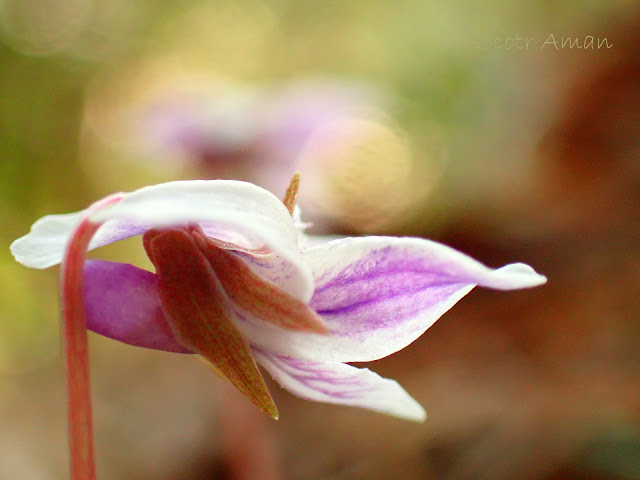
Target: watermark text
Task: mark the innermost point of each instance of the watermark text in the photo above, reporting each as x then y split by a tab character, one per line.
551	42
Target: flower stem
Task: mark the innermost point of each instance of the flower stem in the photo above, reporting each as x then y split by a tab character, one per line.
74	335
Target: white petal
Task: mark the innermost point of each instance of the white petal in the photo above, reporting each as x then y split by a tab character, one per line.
341	384
235	212
44	245
379	294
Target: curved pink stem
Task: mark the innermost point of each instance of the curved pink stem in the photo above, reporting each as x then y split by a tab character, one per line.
74	335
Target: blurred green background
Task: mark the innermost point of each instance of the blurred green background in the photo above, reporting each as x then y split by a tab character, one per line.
510	154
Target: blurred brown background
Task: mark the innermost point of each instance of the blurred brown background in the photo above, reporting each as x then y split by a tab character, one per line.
431	127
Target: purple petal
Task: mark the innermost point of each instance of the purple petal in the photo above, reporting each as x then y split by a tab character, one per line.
122	303
379	294
341	384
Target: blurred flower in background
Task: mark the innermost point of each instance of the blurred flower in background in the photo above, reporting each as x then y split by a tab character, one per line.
334	131
242	132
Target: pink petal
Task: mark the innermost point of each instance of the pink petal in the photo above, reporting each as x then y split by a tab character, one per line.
122	303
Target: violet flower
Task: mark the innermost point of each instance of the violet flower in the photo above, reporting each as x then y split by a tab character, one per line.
232	285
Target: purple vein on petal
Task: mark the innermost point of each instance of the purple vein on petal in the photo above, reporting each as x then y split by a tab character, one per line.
381	272
340	383
384	287
314	376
